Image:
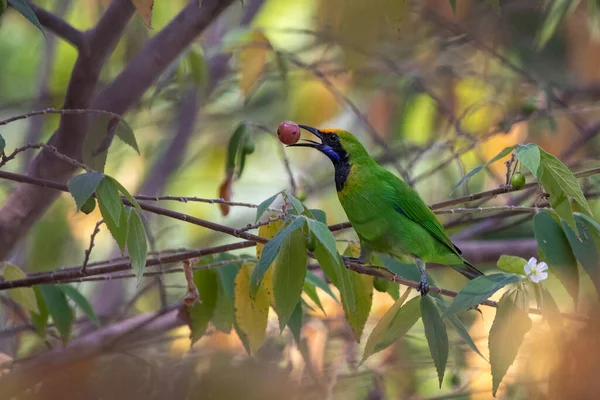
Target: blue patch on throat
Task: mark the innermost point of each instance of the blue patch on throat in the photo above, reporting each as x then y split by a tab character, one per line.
331	153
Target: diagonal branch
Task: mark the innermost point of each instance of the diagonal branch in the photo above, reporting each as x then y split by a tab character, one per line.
59	27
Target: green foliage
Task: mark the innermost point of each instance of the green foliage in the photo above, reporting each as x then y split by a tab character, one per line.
507	333
124	132
550	311
120	232
25	10
502	154
202	311
435	332
2	142
81	302
320	283
458	326
83	186
40	319
236	156
512	264
262	207
312	294
111	206
363	289
554	246
288	275
394	324
136	245
24	296
555	13
295	323
125	192
338	274
529	156
585	244
59	309
480	289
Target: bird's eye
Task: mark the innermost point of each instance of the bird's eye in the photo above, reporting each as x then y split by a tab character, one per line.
334	138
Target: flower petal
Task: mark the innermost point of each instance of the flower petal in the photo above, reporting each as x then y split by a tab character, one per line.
534	278
527	269
532	261
542	276
542	266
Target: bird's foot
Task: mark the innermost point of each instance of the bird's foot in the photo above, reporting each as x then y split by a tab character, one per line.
423	287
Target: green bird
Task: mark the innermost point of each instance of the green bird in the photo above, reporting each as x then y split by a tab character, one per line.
387	214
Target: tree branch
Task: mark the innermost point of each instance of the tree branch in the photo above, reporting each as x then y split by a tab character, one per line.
59	27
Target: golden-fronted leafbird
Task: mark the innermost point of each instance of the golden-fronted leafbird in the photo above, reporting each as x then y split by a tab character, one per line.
387	214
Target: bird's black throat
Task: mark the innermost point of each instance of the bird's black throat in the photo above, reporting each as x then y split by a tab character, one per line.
342	170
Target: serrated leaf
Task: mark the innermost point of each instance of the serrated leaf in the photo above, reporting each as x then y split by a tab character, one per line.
80	301
312	294
125	192
363	289
59	309
24	296
320	283
262	207
119	233
137	246
22	7
252	60
323	236
109	201
512	264
529	156
295	323
124	132
223	315
497	157
556	13
554	245
40	320
202	311
506	335
251	313
394	324
338	274
144	9
83	186
437	337
480	289
288	275
270	251
460	328
227	273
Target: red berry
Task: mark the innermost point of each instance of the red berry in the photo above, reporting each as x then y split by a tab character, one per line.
288	132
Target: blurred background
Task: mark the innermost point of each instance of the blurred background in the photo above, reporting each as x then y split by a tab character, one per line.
432	92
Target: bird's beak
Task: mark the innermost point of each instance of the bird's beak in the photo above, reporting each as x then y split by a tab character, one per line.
310	143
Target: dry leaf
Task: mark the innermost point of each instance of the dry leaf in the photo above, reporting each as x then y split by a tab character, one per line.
252	60
144	7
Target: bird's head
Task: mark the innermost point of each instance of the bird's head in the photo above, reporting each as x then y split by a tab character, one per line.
339	145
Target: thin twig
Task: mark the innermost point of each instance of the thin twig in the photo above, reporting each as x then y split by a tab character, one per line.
88	251
66	111
492	209
6	158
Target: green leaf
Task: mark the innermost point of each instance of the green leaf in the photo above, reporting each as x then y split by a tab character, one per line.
458	326
529	156
338	274
119	233
512	264
83	186
40	320
198	67
24	296
269	253
506	335
320	283
74	294
262	207
296	204
124	132
125	193
312	294
498	156
201	312
323	236
234	145
109	201
295	323
585	244
288	275
319	215
393	325
453	6
437	337
59	309
550	311
22	7
480	289
227	273
363	289
2	145
136	245
224	313
554	246
557	12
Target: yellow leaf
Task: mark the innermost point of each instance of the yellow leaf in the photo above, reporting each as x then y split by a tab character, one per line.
252	60
268	231
24	296
144	7
251	315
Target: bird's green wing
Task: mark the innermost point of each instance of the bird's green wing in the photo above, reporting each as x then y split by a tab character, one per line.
409	203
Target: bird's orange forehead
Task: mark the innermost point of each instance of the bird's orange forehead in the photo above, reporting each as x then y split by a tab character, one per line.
328	131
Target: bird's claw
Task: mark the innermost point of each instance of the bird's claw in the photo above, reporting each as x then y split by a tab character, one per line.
423	287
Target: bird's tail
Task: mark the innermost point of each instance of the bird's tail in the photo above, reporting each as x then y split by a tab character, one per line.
468	270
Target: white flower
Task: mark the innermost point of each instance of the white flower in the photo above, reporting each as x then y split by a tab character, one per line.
536	272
